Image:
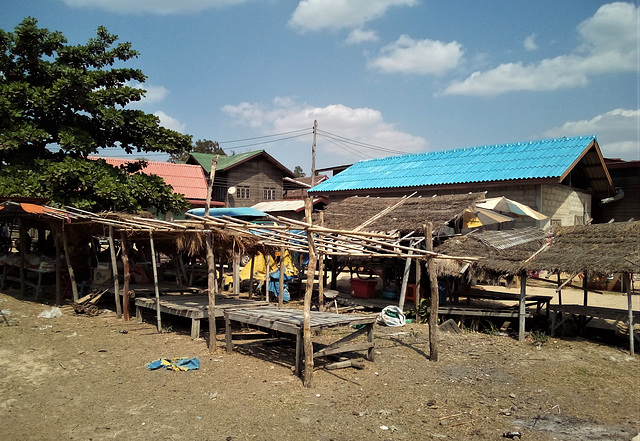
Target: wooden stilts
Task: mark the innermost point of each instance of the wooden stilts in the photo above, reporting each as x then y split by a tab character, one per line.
418	281
559	290
155	281
434	294
72	275
311	271
321	272
522	306
127	274
281	279
114	272
267	277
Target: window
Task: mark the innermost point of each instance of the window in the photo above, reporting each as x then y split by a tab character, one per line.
242	192
269	193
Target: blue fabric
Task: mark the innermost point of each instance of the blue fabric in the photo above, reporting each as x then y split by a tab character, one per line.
175	364
274	285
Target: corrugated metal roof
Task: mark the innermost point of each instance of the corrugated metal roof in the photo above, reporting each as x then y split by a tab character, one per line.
186	179
515	161
224	162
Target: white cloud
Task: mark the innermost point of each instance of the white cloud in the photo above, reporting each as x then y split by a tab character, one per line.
616	130
530	42
421	57
159	7
315	15
153	94
364	125
358	36
609	45
169	122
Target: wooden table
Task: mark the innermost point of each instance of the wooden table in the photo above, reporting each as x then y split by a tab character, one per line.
539	301
589	313
193	306
290	321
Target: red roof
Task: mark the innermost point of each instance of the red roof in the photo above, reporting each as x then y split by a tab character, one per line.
186	179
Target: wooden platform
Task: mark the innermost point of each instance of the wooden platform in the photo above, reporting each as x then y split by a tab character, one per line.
290	321
468	311
193	306
588	313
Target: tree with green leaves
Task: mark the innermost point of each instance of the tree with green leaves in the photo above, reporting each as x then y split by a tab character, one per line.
200	146
61	103
298	172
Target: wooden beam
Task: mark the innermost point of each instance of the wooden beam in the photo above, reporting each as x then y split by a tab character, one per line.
211	266
627	280
281	279
127	275
72	275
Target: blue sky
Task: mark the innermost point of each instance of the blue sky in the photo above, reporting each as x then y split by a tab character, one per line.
398	75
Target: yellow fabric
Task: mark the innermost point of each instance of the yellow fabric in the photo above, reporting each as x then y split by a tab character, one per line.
260	268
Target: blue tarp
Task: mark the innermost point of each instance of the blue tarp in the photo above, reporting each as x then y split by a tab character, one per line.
233	212
175	364
274	285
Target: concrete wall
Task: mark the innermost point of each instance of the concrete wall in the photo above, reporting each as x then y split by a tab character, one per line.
563	204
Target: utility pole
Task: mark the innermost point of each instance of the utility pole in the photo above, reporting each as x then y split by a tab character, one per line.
313	154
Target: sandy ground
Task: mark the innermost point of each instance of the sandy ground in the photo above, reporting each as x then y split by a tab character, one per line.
78	377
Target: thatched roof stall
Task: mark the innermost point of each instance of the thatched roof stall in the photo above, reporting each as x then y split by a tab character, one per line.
501	253
598	249
400	215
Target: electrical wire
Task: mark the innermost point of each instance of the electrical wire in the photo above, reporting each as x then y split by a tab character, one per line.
359	143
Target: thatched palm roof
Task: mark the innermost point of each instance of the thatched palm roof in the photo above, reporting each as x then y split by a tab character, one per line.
494	260
409	216
597	248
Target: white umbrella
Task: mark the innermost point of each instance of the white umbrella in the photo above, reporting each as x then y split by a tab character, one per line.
483	217
510	206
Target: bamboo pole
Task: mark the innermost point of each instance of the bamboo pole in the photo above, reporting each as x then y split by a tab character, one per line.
72	275
311	270
281	280
127	275
321	277
236	273
114	272
267	276
522	306
435	295
155	281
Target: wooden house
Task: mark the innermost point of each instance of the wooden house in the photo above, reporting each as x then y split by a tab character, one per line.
562	178
245	179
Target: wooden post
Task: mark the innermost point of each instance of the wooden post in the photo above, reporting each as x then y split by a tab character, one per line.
435	295
418	282
114	272
559	290
127	275
267	277
321	276
155	281
522	306
311	271
236	274
627	280
72	275
281	280
23	256
405	280
211	265
211	285
253	260
585	289
58	272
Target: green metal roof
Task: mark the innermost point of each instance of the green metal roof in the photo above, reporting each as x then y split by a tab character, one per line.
224	162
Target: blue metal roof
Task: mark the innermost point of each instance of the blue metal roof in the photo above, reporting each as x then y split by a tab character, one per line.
524	160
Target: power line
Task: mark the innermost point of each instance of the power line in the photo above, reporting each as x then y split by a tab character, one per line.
262	137
360	143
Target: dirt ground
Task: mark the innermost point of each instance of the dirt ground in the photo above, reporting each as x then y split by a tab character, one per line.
84	378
